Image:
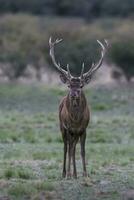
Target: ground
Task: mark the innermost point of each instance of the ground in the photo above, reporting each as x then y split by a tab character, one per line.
31	148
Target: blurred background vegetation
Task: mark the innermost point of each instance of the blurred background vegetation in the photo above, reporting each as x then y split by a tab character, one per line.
30	142
25	27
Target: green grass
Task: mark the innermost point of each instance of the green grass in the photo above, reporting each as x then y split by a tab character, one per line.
32	150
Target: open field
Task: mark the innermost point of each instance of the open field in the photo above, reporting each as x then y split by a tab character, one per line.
31	147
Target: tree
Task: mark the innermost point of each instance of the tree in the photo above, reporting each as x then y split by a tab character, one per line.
122	53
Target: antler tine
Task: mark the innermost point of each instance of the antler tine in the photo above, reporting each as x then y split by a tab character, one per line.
106	42
95	67
68	70
51	44
89	71
82	69
104	48
57	65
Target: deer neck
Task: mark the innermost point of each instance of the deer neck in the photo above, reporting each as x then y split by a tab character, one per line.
76	109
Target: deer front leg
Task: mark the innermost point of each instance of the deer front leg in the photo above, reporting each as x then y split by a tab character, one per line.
64	137
64	161
69	160
82	142
70	153
73	158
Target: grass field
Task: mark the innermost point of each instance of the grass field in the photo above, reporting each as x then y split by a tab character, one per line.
31	147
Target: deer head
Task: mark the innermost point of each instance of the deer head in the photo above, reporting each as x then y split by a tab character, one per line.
76	83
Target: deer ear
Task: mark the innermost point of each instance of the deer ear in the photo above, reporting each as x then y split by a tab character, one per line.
63	78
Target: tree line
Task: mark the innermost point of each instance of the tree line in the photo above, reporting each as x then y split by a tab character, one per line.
89	9
24	42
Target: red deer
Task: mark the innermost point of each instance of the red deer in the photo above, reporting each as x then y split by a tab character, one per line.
74	113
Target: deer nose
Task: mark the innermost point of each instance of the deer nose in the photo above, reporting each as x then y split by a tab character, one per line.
74	94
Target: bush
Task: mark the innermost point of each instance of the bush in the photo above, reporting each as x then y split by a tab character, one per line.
122	53
24	41
122	49
21	43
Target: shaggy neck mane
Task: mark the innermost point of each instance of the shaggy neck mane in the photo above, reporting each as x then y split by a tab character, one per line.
76	112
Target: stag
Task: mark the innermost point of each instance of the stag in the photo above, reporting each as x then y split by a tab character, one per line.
74	113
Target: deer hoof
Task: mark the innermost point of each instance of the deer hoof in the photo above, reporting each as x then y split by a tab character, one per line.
85	174
69	175
75	176
64	175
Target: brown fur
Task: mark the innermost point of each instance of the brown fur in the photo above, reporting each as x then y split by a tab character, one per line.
73	124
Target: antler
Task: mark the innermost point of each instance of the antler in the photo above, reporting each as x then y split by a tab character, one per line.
95	67
83	75
57	65
82	70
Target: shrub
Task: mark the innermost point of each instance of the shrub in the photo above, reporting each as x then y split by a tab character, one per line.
122	54
122	49
21	43
24	41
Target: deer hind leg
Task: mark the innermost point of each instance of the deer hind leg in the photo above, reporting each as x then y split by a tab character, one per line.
73	157
82	142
